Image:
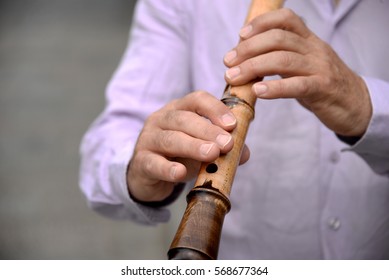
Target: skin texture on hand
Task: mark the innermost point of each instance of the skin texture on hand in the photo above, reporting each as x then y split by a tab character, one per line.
175	140
279	43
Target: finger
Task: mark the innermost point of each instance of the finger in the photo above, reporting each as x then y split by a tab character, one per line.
271	40
159	168
245	155
295	87
282	63
155	175
284	19
192	167
173	144
196	126
206	105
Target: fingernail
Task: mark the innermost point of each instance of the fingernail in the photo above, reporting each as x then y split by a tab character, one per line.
232	73
228	119
205	149
245	31
173	171
230	56
260	89
223	140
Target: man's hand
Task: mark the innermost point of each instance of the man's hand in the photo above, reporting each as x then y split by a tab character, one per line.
279	43
175	140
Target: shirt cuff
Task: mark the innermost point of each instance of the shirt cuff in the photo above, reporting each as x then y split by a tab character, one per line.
138	212
373	146
167	201
351	140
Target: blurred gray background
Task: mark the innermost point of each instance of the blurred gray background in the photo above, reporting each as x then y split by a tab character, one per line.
56	57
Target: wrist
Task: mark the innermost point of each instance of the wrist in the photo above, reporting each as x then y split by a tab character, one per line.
177	190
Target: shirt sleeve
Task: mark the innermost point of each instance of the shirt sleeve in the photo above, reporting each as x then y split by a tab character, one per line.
153	70
373	147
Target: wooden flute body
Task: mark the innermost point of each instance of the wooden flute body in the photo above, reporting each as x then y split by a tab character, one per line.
199	232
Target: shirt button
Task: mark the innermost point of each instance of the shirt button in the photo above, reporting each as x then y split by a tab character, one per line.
334	223
334	157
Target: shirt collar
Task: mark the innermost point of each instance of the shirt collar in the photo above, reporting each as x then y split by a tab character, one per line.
328	12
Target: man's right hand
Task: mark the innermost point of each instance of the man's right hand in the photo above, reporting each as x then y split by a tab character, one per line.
175	140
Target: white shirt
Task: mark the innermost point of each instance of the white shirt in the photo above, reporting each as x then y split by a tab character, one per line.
304	194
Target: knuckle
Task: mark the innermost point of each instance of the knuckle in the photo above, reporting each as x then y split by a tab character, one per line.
304	88
141	163
281	88
148	165
287	14
326	81
285	59
196	98
244	48
251	64
174	116
207	132
166	140
151	119
198	94
278	36
143	143
173	104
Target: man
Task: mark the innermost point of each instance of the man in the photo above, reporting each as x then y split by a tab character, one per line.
316	185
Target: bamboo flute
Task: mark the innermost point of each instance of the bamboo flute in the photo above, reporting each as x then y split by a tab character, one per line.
198	235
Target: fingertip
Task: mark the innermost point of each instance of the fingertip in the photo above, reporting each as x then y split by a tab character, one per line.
245	155
209	152
206	148
228	119
173	172
245	31
232	73
177	172
230	57
225	142
260	89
